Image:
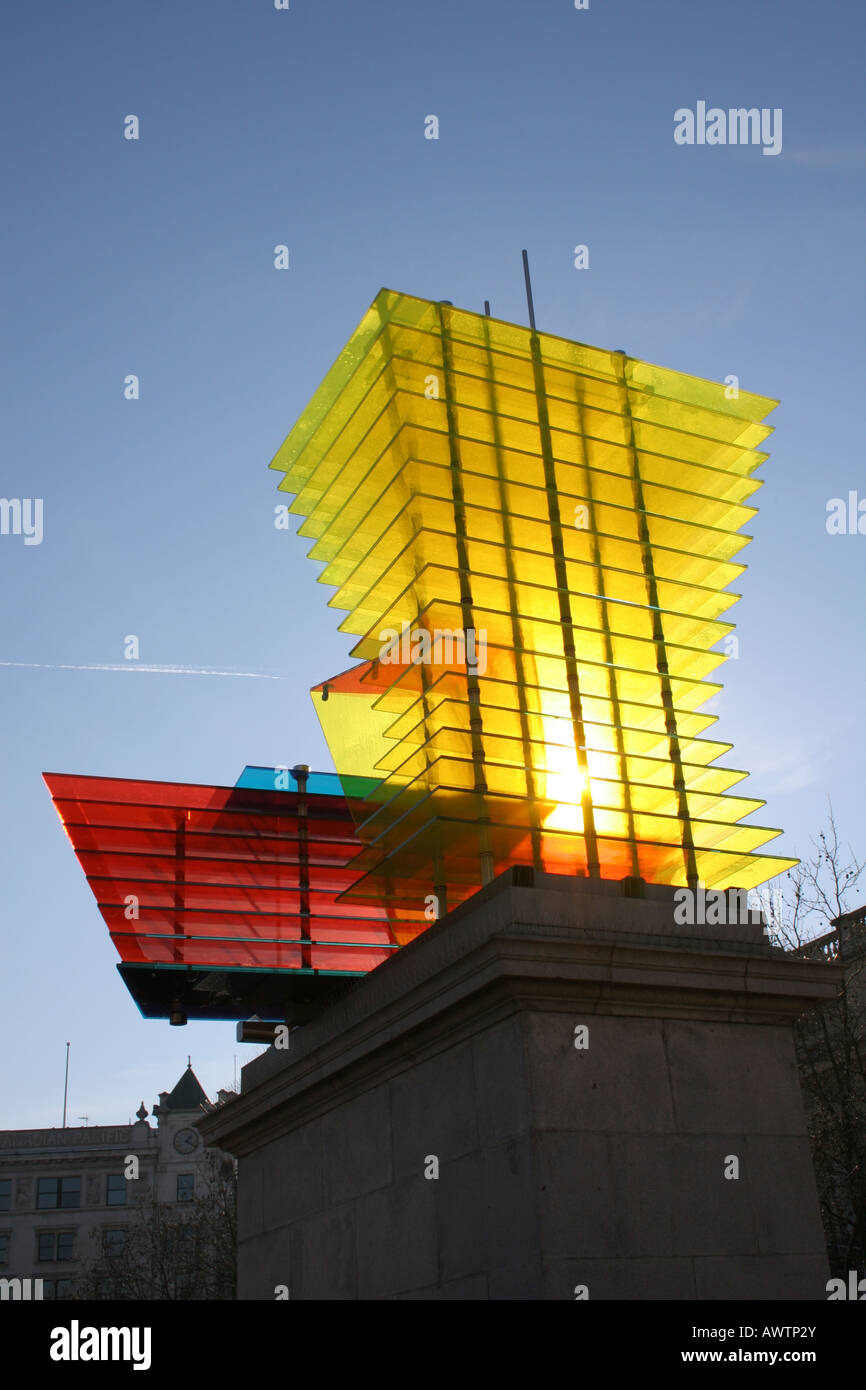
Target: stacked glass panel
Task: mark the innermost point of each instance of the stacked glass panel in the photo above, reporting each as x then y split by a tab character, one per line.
220	897
532	541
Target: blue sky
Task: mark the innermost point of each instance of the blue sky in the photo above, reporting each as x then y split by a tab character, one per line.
155	257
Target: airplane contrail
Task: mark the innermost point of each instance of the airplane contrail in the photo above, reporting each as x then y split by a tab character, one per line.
136	666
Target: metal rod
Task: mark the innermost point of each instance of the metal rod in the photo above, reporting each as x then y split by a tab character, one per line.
606	610
658	633
569	649
461	533
178	925
487	308
528	290
301	772
66	1086
513	602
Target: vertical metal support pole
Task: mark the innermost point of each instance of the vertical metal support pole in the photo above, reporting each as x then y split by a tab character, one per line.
658	634
179	883
300	773
476	728
528	283
516	632
569	650
600	589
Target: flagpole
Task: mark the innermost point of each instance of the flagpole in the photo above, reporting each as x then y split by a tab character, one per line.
66	1086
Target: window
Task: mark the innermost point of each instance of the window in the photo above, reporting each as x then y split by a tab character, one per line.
4	1248
185	1186
115	1193
56	1288
185	1242
55	1245
5	1194
58	1192
114	1241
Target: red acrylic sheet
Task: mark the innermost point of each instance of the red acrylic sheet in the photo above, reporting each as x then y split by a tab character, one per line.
225	877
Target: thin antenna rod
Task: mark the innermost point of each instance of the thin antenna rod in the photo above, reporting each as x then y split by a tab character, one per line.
528	291
487	308
66	1086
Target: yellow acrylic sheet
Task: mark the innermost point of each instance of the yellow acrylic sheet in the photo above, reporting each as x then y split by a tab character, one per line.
580	514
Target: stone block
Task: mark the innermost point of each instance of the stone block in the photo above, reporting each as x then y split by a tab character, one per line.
460	1199
434	1111
619	1082
291	1174
263	1262
324	1248
356	1146
719	1073
501	1081
644	1280
396	1239
250	1195
557	1166
576	1188
473	1289
511	1228
778	1170
778	1278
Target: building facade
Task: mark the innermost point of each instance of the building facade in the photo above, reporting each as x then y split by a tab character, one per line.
61	1188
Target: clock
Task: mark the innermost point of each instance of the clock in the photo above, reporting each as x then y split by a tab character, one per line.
186	1141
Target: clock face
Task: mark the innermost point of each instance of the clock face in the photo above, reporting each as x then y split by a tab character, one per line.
185	1141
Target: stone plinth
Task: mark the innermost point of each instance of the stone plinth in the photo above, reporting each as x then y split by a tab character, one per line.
559	1166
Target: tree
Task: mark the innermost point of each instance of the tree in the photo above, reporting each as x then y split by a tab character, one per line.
811	915
816	892
184	1250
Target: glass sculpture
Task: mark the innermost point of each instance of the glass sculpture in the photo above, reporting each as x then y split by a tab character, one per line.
224	902
532	541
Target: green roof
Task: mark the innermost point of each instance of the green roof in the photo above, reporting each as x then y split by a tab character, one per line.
188	1094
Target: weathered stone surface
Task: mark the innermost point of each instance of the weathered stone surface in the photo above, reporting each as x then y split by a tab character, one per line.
510	1215
396	1239
778	1169
558	1166
575	1193
460	1207
776	1277
472	1290
434	1110
324	1261
620	1081
356	1146
502	1094
718	1077
264	1262
299	1155
251	1214
638	1279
